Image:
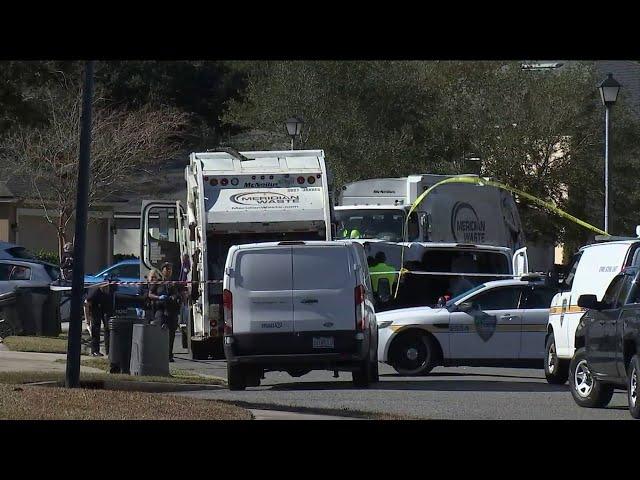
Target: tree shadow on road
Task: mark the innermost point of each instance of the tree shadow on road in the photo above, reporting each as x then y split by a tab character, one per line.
430	385
458	374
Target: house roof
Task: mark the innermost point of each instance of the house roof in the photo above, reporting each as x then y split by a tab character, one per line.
5	193
167	182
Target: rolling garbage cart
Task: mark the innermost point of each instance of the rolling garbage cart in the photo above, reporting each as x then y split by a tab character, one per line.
121	332
150	350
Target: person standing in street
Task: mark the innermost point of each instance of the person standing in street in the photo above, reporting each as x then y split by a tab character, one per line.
171	305
99	305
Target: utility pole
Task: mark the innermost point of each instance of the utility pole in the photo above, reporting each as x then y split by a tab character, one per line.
72	379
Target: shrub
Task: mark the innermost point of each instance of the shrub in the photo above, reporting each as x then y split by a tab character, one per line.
47	256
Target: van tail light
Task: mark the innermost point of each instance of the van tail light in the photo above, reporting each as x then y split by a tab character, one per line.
227	303
300	180
359	304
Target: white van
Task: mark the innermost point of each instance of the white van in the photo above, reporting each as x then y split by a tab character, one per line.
591	271
298	306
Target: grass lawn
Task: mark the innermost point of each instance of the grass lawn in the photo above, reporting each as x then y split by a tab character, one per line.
37	344
41	403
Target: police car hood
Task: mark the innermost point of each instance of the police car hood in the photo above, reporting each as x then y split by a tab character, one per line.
412	315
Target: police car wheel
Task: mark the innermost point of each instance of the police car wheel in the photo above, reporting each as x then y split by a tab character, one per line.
633	378
413	353
586	389
556	370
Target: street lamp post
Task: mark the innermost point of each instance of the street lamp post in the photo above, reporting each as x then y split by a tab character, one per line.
609	89
294	127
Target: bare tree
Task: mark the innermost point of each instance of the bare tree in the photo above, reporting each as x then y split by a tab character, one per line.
125	144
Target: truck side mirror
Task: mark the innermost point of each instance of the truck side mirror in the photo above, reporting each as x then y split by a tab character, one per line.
589	302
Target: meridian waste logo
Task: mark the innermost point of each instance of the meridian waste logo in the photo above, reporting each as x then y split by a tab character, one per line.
466	227
264	198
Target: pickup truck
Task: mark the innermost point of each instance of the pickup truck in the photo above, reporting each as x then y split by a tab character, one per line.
606	341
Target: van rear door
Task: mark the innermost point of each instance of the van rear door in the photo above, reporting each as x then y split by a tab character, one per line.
323	289
261	285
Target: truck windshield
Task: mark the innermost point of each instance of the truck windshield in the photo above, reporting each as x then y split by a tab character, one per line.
374	224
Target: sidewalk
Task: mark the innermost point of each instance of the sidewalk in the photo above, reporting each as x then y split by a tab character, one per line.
11	361
285	415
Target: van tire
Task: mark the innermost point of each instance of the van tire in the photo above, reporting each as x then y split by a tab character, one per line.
375	372
556	370
362	376
633	378
427	353
235	377
587	391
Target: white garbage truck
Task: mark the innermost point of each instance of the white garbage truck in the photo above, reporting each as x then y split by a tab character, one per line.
233	198
376	209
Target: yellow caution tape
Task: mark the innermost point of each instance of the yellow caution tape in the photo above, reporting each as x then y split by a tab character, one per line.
484	182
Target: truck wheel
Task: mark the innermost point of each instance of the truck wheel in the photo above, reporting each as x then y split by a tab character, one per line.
199	350
375	372
362	376
184	337
555	369
586	389
632	386
413	353
235	377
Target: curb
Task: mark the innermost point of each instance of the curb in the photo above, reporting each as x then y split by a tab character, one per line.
135	386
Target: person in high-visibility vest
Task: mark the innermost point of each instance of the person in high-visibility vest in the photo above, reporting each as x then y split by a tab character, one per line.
346	233
380	269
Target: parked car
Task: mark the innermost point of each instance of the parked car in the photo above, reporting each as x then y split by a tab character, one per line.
298	306
26	273
607	344
33	277
124	271
498	323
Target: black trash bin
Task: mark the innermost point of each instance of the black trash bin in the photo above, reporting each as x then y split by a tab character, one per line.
121	332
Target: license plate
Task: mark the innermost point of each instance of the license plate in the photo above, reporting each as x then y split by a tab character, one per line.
323	342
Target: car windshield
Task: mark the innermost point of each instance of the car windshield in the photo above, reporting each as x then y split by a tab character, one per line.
463	294
370	224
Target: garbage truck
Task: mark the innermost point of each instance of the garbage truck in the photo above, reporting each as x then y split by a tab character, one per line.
377	209
233	198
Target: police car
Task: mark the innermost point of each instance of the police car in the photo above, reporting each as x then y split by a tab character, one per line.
498	323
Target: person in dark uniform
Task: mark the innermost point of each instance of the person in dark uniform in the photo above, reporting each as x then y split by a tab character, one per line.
171	305
99	304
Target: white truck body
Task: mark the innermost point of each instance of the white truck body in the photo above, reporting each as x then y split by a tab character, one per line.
233	200
456	212
592	270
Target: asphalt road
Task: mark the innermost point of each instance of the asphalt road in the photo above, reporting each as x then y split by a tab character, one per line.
464	393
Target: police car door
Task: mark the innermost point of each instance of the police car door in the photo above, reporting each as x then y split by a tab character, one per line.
535	315
487	325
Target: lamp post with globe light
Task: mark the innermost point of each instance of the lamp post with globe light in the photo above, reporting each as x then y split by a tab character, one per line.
609	89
